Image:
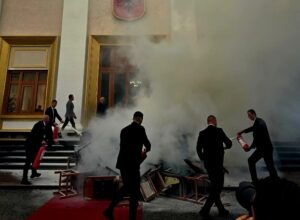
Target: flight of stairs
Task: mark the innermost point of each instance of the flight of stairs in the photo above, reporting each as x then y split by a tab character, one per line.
287	156
12	152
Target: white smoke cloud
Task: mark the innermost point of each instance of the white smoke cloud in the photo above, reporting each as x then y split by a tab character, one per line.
235	56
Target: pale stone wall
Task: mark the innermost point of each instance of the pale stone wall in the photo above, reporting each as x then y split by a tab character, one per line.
44	17
156	20
31	17
28	124
183	19
0	9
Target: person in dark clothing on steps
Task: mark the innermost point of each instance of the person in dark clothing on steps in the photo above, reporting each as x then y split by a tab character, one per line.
40	134
133	139
53	114
70	114
262	144
101	107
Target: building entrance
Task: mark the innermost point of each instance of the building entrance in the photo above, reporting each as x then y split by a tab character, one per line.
117	77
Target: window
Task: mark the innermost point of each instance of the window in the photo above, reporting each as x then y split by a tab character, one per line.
117	76
25	92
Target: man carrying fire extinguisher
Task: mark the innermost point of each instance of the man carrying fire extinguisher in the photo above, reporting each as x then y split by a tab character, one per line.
262	144
40	135
133	138
53	114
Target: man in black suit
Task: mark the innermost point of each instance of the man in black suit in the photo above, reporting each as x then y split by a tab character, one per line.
262	143
52	113
101	107
210	149
133	138
40	134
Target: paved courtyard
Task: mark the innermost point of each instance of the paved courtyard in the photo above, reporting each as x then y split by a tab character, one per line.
19	204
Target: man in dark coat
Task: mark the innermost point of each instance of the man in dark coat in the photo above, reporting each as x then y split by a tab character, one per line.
210	149
262	144
133	138
40	134
52	113
101	107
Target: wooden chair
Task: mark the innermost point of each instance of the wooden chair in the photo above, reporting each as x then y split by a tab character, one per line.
66	187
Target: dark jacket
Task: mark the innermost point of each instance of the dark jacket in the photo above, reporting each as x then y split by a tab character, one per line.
53	114
39	133
133	138
210	147
261	137
70	110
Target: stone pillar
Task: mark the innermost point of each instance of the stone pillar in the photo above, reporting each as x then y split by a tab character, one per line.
72	54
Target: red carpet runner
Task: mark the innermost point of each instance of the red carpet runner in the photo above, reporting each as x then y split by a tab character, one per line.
77	208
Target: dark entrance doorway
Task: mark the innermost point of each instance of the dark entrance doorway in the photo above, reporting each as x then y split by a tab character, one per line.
117	77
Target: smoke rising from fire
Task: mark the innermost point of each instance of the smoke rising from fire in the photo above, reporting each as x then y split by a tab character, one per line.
222	58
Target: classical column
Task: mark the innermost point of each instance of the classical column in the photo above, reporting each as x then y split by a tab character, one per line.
71	68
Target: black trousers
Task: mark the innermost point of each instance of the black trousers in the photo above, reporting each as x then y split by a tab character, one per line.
30	156
216	178
69	119
268	158
131	188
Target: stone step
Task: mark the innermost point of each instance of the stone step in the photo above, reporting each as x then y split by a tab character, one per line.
291	161
47	153
43	166
21	147
289	154
68	140
21	159
284	167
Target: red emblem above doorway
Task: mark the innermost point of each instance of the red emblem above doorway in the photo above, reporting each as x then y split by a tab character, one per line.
128	9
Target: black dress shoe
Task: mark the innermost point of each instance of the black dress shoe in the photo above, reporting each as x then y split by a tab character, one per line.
25	182
109	214
35	175
224	213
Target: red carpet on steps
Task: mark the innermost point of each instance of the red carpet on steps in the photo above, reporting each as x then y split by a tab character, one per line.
77	208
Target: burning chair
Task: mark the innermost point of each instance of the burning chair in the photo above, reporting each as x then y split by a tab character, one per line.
192	187
159	181
152	184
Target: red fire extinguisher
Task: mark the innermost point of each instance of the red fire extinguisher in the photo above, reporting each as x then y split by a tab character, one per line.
143	155
39	157
55	132
243	143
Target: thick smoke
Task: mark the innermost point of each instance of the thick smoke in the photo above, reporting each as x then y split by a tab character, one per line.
222	58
